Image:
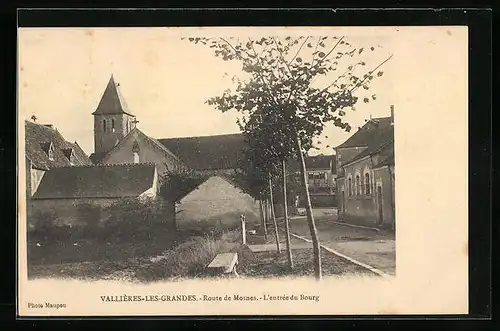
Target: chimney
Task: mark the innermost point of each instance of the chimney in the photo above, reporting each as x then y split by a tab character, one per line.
50	126
392	114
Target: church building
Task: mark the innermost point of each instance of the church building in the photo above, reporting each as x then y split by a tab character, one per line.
118	140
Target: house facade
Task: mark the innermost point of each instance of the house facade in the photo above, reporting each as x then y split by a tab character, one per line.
366	174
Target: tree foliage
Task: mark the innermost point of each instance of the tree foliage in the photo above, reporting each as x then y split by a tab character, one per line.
175	184
281	73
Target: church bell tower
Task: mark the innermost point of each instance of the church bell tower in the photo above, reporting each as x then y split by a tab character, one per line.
112	119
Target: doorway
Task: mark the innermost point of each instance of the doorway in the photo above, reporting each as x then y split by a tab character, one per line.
343	203
380	205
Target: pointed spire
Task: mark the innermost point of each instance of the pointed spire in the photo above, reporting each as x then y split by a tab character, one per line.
112	101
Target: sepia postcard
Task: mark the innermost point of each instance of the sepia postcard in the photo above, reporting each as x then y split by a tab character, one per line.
170	171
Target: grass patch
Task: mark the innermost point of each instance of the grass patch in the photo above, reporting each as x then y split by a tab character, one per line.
190	258
140	262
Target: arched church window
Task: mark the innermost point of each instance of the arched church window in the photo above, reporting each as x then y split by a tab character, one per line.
358	186
104	125
367	184
112	125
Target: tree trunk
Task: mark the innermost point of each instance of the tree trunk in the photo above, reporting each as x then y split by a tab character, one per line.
266	216
310	218
276	235
263	217
285	219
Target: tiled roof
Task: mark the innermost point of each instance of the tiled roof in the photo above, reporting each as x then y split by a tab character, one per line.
208	152
37	141
107	181
374	129
316	162
320	162
112	101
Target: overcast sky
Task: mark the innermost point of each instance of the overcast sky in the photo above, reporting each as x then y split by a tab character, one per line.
165	80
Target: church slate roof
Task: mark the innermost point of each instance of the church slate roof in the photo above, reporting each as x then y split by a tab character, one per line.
38	139
106	181
112	101
208	152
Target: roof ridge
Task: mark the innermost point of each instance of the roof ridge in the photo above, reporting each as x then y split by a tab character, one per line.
107	165
214	135
41	125
379	118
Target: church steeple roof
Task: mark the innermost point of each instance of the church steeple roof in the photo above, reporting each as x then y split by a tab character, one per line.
112	101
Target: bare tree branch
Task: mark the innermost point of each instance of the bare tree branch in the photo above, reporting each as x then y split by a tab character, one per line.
262	76
313	66
327	54
369	73
298	51
282	57
314	53
338	78
235	51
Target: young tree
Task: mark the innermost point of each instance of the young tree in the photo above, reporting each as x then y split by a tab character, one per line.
263	217
302	84
253	179
259	168
285	218
276	232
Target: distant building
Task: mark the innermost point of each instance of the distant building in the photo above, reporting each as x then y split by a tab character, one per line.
365	169
321	174
321	180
